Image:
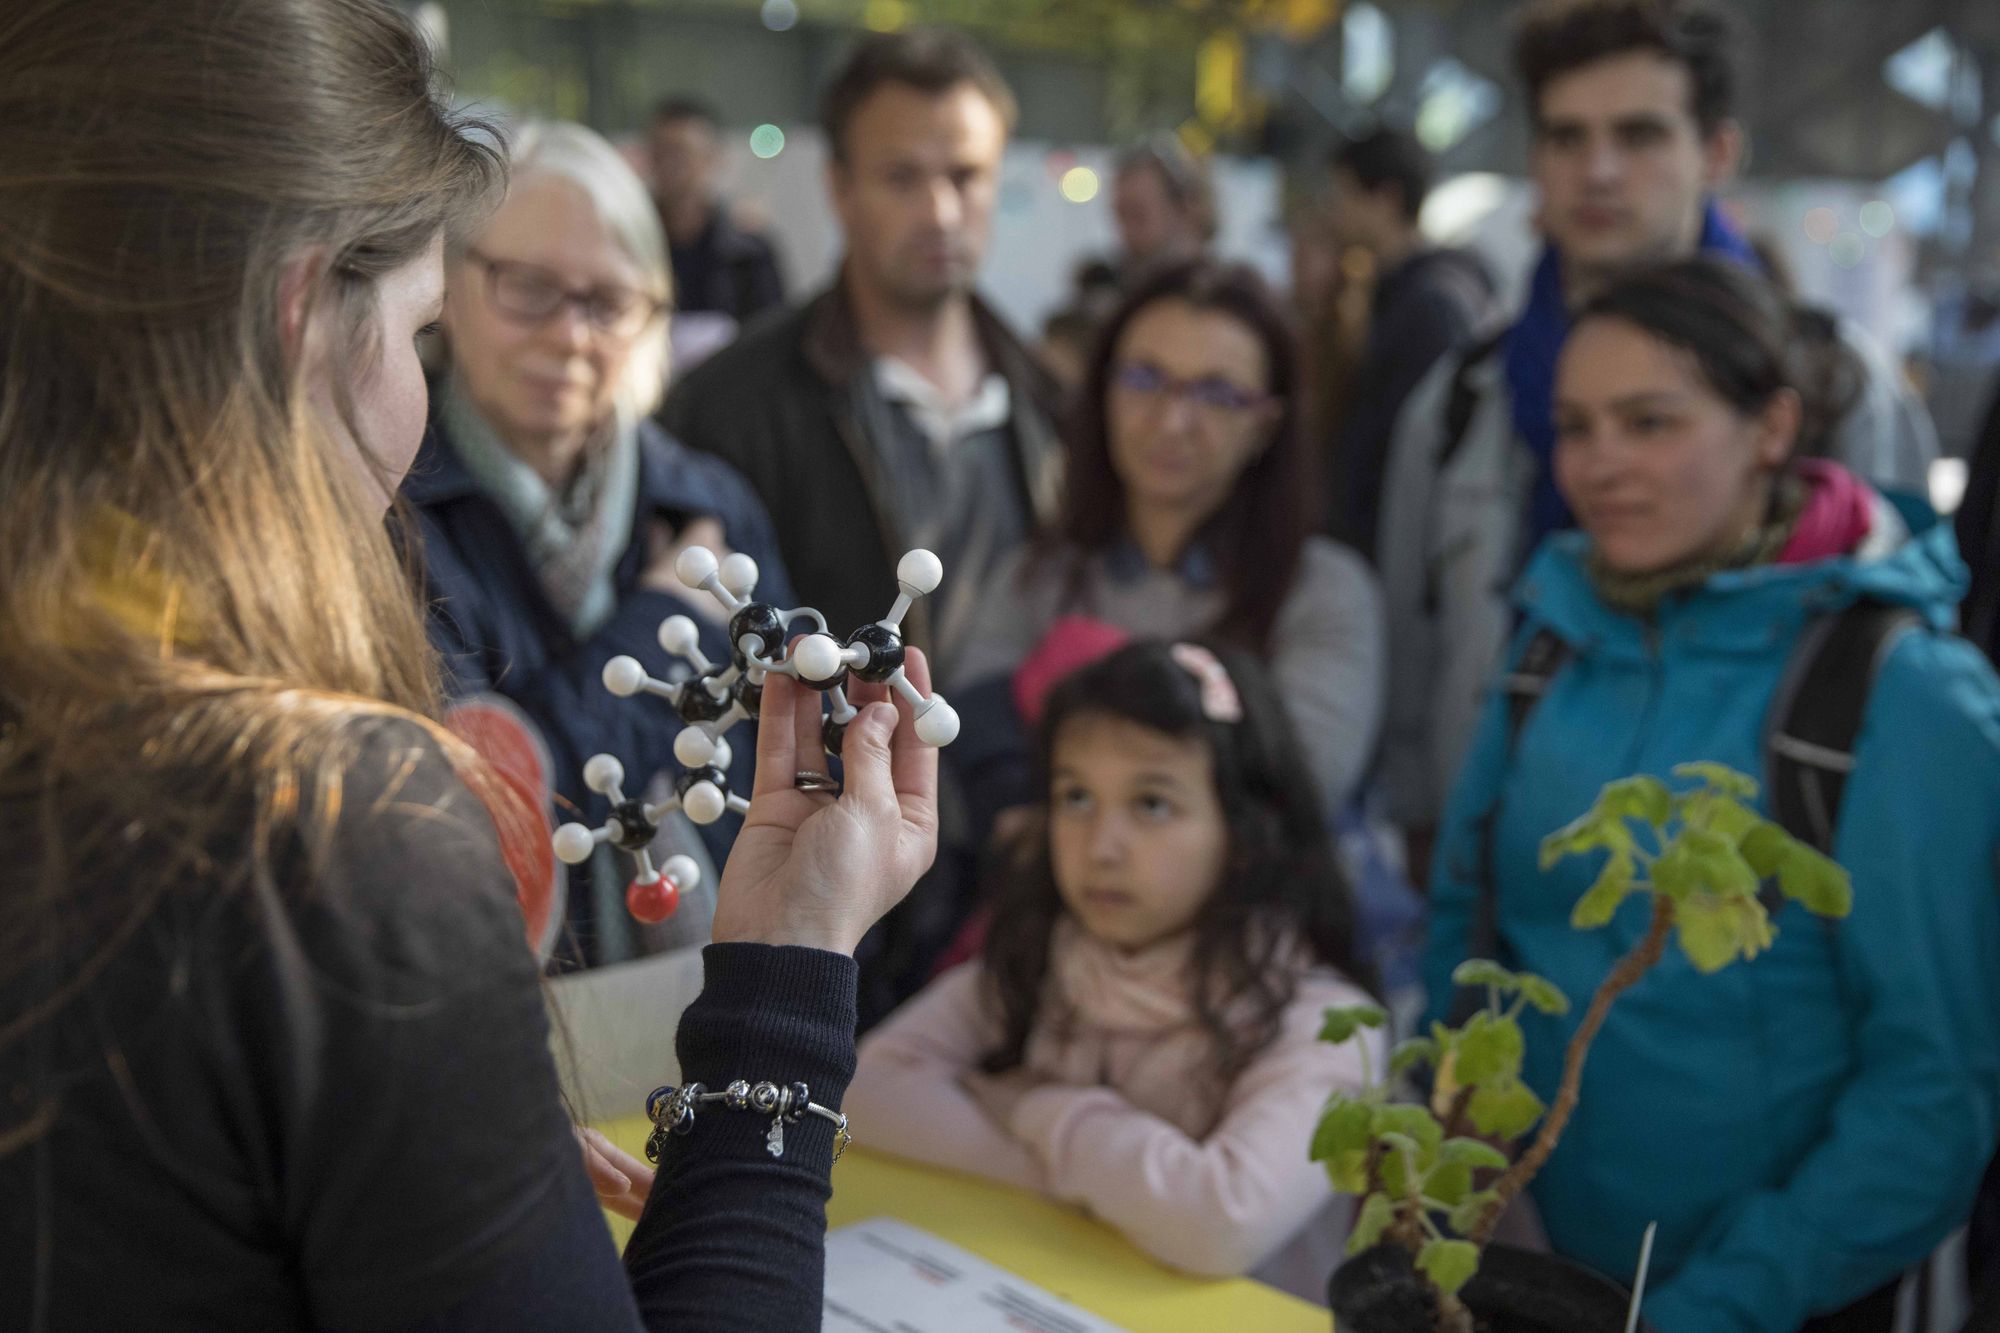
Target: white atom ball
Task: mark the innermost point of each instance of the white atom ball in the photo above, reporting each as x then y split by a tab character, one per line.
693	747
574	844
704	803
679	636
817	658
921	570
624	676
683	871
695	566
602	773
739	574
939	723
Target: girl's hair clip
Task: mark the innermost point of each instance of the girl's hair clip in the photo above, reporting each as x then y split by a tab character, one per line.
1219	700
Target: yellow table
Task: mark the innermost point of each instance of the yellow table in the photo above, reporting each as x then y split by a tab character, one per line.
1056	1248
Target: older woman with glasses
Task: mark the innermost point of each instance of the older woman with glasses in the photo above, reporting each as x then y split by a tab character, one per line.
1188	514
552	510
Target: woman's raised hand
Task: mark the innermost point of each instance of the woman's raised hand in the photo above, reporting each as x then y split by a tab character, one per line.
816	870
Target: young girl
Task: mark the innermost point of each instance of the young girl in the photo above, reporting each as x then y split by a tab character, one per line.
1140	1033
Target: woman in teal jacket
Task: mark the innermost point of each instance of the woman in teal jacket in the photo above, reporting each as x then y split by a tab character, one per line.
1808	1125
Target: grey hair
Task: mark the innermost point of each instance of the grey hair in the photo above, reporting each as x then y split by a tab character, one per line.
582	157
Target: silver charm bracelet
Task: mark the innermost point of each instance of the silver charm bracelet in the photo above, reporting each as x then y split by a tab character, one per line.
671	1109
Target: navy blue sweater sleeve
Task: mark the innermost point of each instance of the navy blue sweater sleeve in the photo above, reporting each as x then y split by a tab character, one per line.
732	1238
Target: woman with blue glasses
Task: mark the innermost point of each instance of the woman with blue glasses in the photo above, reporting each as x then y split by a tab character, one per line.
1189	514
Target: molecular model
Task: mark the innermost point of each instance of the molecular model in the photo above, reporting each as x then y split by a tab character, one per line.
721	694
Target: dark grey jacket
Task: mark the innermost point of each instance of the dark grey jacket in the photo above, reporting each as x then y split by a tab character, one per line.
785	405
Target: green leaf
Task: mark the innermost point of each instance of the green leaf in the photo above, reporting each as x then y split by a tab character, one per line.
1718	865
1716	931
1543	994
1343	1021
1593	830
1640	797
1729	818
1410	1052
1489	1047
1476	1153
1482	972
1817	881
1374	1218
1766	847
1415	1124
1344	1126
1721	777
1448	1183
1600	904
1675	873
1467	1215
1394	1168
1449	1264
1505	1109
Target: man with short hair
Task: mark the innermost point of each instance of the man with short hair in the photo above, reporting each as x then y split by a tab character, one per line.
894	410
720	267
1427	301
1630	102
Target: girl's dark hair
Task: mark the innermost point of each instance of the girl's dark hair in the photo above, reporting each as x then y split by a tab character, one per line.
1746	339
1260	532
1281	885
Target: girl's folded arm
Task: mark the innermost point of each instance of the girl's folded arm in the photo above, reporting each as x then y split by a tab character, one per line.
906	1098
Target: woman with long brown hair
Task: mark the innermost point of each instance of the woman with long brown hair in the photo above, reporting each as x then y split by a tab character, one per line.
272	1049
1189	512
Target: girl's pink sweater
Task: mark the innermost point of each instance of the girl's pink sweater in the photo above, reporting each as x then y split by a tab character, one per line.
1127	1122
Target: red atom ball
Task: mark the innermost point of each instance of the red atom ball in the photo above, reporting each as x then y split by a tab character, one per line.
652	900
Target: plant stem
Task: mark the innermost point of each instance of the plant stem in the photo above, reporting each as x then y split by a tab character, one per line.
1453	1317
1622	976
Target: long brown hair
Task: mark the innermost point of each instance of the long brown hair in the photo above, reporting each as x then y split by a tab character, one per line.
197	592
1282	887
1258	536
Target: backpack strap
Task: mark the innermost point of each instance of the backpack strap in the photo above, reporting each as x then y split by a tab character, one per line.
1815	716
1459	404
1524	685
1463	398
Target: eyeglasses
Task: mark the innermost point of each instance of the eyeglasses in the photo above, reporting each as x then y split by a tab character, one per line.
1213	398
531	294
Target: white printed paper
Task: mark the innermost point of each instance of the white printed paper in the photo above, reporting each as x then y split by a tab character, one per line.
885	1276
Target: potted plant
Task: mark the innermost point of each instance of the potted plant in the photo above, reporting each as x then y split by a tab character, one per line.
1433	1178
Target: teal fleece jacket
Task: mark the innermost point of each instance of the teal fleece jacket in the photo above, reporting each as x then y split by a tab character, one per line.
1806	1125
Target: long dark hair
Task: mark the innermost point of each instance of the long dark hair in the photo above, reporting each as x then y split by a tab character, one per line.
1281	885
1259	533
1748	341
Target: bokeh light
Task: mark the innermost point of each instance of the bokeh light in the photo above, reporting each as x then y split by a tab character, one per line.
1079	185
1848	249
1878	218
780	15
1822	225
767	141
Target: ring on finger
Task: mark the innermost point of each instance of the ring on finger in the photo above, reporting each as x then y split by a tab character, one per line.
807	779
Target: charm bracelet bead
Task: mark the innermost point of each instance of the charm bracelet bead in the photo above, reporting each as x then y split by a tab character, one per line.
672	1111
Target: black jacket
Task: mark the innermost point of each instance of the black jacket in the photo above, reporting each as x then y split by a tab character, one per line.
1978	524
324	1097
728	270
781	405
1432	302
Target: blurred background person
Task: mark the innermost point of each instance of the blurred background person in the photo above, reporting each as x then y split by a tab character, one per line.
552	510
1426	301
1163	202
725	274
